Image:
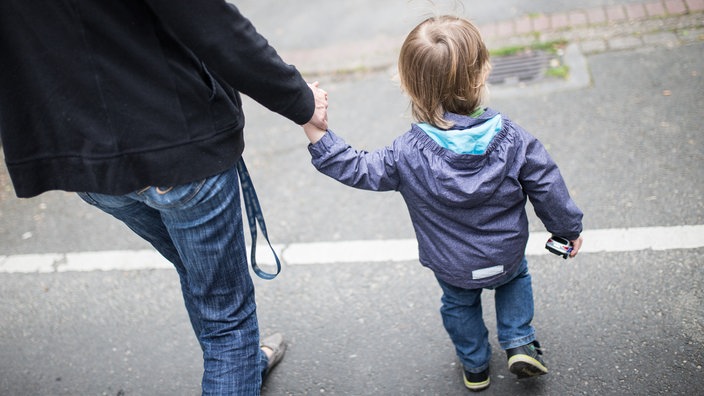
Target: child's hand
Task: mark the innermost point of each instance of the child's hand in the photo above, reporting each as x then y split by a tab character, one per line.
576	244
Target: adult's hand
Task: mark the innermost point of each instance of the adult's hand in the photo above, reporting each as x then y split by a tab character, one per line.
320	116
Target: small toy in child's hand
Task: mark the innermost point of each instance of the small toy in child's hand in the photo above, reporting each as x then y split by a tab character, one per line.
559	246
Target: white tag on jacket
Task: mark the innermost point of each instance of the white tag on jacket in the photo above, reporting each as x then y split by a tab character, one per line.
487	272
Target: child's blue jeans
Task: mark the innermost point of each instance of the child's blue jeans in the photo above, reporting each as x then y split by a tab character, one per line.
198	227
462	316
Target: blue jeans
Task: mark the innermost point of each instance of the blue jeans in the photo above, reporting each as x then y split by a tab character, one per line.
198	227
462	317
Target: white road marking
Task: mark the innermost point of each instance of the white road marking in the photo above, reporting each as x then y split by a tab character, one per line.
595	241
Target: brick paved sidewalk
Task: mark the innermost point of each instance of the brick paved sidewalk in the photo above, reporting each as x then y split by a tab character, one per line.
663	22
655	23
598	16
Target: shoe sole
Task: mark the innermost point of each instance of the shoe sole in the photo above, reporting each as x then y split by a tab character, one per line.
525	366
477	386
276	344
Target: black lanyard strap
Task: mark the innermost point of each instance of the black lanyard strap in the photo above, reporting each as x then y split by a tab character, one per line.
254	217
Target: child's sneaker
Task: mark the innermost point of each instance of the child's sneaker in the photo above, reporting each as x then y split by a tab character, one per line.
525	361
477	381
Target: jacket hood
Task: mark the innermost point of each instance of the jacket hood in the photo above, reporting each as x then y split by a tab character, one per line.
461	174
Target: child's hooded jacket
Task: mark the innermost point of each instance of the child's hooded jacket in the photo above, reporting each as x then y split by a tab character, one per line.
468	210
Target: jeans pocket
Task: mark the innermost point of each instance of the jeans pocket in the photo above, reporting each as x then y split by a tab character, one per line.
170	197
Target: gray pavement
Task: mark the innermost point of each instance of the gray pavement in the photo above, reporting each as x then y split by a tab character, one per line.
629	143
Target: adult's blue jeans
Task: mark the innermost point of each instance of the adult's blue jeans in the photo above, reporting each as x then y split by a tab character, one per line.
462	317
198	227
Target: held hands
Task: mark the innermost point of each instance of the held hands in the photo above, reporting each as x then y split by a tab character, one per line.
320	116
318	124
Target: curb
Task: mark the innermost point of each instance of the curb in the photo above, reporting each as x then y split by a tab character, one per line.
655	23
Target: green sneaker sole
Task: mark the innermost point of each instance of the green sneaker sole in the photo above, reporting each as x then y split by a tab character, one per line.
525	366
476	386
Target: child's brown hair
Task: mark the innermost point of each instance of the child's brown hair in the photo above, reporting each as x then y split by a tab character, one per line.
443	65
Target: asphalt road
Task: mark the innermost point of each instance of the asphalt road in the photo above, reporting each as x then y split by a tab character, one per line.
630	146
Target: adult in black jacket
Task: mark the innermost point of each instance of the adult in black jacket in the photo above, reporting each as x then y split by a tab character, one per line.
135	105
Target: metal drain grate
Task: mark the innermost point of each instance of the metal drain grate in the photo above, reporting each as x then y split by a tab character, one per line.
523	67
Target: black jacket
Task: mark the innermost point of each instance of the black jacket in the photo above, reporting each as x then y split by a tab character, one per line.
112	96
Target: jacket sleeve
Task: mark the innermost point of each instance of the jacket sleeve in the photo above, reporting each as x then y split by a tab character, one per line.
229	45
547	191
374	171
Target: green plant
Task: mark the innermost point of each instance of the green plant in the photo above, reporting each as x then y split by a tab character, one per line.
562	71
551	47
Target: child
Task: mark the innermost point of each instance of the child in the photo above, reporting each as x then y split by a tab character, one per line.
465	173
